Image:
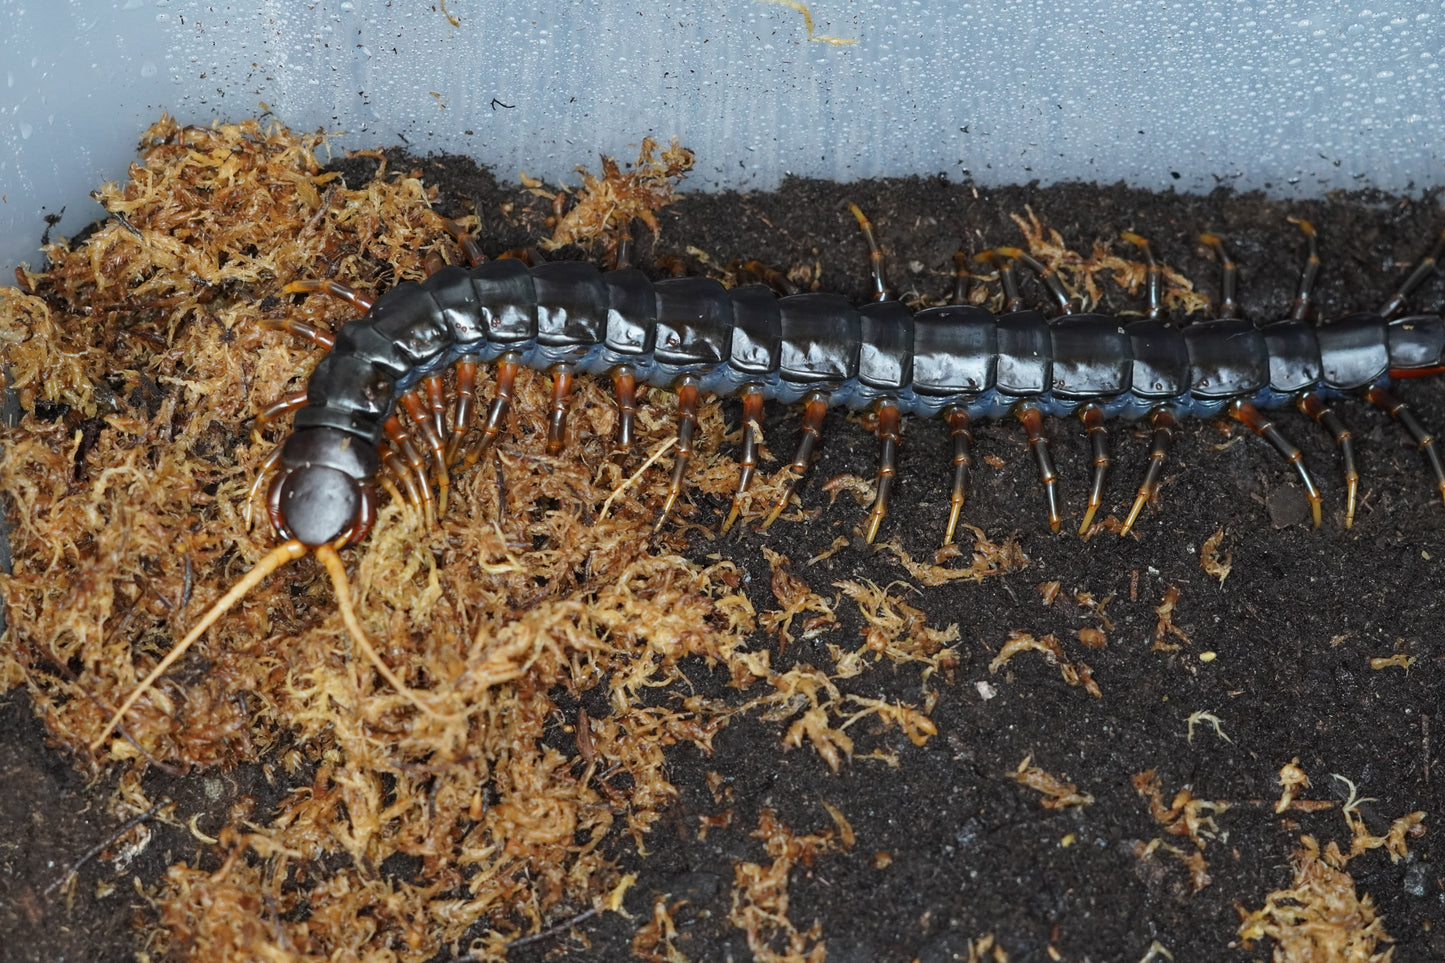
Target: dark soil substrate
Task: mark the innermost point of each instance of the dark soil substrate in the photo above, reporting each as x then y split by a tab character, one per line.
968	851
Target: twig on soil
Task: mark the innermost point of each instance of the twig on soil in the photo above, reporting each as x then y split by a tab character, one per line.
561	927
99	847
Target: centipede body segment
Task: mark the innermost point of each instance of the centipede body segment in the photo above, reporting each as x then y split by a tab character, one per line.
375	414
692	335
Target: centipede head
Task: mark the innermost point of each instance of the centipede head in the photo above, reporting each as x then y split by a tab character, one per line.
323	500
317	505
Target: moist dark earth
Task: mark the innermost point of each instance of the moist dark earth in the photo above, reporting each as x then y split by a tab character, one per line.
949	847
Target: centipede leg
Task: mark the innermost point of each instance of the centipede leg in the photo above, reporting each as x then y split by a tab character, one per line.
748	459
1427	266
393	462
875	254
1401	412
962	435
890	426
961	278
436	398
1046	274
334	288
389	486
1162	421
365	517
815	408
1093	418
1033	422
624	381
465	241
1249	415
466	401
561	400
1313	405
296	399
263	475
1228	305
1302	305
687	402
416	466
1154	285
318	337
507	367
769	275
1008	277
421	416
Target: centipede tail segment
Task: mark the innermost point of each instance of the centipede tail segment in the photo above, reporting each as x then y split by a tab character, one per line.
374	415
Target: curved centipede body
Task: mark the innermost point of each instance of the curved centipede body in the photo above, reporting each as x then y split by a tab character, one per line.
375	411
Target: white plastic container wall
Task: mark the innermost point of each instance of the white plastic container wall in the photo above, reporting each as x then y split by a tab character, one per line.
1292	98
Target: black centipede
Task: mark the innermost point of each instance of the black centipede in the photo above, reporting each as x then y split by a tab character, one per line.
375	410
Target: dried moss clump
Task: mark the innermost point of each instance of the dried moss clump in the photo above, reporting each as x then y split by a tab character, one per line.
148	350
141	357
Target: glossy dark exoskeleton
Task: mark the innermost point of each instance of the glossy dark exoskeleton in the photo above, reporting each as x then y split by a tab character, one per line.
693	335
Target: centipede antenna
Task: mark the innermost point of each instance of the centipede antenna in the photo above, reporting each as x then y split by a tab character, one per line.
1045	274
687	402
282	554
1012	299
748	459
326	555
1033	421
1299	308
958	430
562	375
334	288
1401	412
1154	285
1249	415
1427	266
875	254
1093	418
815	409
624	383
890	428
1162	421
1313	404
1228	306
